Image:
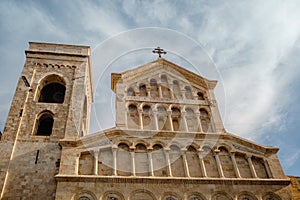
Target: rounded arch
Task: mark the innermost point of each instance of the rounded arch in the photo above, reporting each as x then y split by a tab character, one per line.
123	154
193	145
245	195
143	89
171	196
44	123
224	147
112	195
158	145
51	89
85	195
124	144
200	95
140	147
221	195
142	194
271	196
196	196
164	78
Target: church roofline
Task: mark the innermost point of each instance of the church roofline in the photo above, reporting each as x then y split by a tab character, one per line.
190	76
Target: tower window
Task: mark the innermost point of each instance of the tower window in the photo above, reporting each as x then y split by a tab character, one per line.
53	93
45	124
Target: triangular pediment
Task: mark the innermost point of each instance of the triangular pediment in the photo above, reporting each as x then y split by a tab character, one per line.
161	66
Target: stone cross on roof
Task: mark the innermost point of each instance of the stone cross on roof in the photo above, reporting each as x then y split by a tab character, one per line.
159	51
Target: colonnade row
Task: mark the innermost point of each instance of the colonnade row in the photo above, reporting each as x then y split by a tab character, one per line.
163	88
172	162
148	195
158	117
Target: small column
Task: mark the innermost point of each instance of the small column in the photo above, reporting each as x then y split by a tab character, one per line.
251	166
155	119
148	89
184	121
199	122
150	160
114	151
267	169
182	91
236	169
202	165
219	165
160	91
132	162
166	150
170	120
96	156
141	118
185	162
171	90
77	163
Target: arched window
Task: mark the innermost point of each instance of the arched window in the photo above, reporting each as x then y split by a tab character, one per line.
190	119
141	168
147	117
154	89
164	79
53	93
133	117
188	92
176	119
176	90
200	96
163	123
45	124
123	154
130	92
143	90
159	161
205	120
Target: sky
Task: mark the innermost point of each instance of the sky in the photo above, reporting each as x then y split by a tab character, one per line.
251	47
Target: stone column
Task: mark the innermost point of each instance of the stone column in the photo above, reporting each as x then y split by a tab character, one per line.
185	163
141	118
202	165
132	162
219	165
166	150
182	91
155	119
160	91
251	166
96	156
184	121
114	151
235	167
199	122
150	160
267	169
171	90
77	163
148	89
170	119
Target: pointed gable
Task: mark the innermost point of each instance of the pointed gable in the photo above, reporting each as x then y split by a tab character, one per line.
156	67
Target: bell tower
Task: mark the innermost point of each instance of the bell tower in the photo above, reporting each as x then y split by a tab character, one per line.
52	102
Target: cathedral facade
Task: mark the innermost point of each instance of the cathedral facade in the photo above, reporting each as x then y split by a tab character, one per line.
169	142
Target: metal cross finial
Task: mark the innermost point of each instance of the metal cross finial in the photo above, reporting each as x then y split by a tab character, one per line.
159	51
